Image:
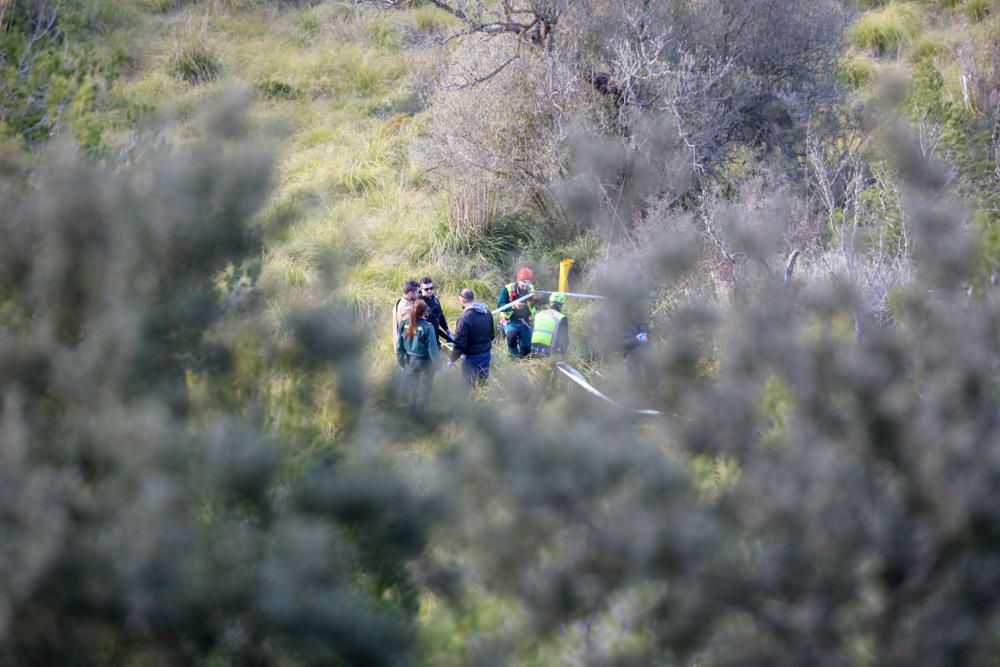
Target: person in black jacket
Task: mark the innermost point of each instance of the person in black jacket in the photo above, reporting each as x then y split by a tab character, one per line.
435	314
474	334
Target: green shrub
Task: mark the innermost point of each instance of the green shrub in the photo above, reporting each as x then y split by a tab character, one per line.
51	79
925	47
100	16
886	30
856	72
977	10
948	4
276	89
194	62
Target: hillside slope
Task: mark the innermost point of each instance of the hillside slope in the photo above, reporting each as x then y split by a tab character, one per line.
341	92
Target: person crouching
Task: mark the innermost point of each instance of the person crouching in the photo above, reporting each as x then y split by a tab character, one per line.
551	333
418	354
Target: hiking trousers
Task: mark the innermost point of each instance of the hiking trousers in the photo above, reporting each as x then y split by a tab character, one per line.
476	367
518	334
418	381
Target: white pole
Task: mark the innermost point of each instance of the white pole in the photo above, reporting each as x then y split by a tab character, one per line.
528	296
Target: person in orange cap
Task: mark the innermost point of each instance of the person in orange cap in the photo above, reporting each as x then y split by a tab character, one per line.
517	321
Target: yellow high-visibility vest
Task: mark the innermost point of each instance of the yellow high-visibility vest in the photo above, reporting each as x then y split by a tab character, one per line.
546	327
511	292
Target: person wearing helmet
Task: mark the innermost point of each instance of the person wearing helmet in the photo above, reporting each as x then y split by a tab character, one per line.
551	332
516	322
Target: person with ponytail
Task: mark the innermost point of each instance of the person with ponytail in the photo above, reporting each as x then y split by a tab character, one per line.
418	354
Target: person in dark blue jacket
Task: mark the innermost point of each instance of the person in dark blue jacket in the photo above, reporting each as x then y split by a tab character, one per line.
474	334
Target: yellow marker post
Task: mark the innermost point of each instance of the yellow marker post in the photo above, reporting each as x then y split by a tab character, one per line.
564	267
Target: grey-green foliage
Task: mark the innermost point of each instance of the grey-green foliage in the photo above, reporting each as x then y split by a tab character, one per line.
861	528
142	528
49	78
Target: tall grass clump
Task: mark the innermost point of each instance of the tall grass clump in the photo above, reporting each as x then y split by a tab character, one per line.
977	10
924	47
307	27
193	61
356	180
163	6
276	89
429	19
474	225
887	29
362	76
856	72
104	16
383	34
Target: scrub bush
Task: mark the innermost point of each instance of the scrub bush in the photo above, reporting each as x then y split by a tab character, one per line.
49	80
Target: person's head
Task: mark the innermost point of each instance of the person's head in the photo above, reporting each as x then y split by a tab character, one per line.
419	311
466	297
410	289
524	277
426	286
557	300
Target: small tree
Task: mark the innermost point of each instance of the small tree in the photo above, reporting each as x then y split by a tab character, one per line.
720	75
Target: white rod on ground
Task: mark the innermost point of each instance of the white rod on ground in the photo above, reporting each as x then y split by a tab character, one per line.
578	378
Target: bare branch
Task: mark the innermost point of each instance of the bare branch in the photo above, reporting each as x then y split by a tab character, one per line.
485	77
790	265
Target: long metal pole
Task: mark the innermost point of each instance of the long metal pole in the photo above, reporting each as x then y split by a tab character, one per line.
528	296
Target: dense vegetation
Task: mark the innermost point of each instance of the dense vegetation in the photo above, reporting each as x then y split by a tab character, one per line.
209	207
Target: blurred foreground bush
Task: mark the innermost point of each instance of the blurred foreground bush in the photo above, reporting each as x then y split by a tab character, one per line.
825	495
137	528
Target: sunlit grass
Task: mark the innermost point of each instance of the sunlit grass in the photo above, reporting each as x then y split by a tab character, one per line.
887	29
978	10
347	196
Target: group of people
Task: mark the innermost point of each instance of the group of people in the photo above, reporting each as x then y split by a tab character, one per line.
534	325
419	327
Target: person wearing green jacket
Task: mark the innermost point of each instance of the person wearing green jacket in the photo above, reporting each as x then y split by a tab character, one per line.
418	355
